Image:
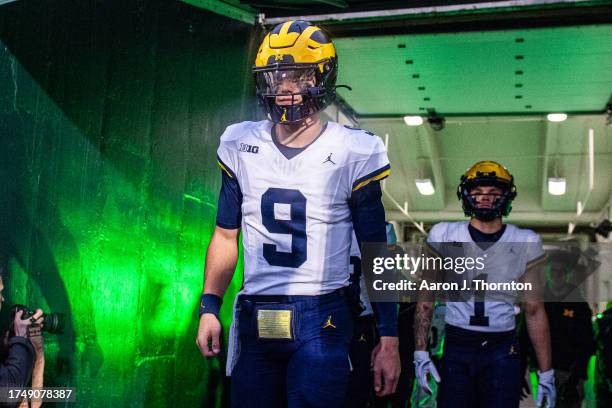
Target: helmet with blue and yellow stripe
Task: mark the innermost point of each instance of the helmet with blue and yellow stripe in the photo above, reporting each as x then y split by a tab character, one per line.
487	173
295	71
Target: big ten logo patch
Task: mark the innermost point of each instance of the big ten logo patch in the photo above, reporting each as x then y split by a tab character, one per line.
248	148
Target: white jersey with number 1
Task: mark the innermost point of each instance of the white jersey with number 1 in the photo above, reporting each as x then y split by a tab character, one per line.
506	261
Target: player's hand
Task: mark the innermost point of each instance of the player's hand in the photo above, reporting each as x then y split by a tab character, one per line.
546	389
209	332
424	367
386	365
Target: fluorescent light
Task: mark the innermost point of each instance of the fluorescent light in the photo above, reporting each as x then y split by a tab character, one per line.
556	185
425	186
556	117
591	159
413	120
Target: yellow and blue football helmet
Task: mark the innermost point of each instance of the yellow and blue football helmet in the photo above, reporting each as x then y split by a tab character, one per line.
487	173
301	54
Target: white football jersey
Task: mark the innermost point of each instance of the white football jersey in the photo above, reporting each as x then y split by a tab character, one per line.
506	260
356	265
296	221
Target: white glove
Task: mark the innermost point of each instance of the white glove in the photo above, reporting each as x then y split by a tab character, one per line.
424	366
546	389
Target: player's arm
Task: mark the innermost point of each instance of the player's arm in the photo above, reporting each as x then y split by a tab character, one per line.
539	332
422	322
423	315
423	365
535	314
368	216
425	302
221	258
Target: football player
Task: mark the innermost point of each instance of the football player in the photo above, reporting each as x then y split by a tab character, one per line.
296	188
571	329
480	363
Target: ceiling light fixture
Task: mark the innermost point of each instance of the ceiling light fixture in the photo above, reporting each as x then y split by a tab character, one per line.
425	186
556	117
557	186
413	120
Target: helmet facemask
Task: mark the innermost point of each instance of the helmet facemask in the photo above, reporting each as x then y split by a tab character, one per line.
290	93
501	205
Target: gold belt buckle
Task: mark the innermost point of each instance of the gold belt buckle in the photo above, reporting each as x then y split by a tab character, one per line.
275	324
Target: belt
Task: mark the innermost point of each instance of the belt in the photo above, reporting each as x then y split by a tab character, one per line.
336	294
458	335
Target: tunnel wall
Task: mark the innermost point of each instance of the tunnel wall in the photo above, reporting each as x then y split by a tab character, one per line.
110	115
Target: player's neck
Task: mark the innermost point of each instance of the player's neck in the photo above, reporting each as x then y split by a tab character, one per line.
487	227
299	134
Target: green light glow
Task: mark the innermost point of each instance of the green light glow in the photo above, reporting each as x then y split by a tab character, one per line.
109	188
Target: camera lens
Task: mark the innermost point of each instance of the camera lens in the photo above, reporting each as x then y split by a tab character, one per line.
54	323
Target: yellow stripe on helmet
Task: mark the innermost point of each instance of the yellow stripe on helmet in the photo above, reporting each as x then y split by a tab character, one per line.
300	46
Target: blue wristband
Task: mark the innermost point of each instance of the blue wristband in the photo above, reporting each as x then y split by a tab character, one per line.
210	303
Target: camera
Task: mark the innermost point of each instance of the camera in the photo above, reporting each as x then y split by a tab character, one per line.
435	121
54	322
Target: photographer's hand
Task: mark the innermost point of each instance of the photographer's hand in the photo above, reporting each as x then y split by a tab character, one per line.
37	340
37	317
35	332
20	326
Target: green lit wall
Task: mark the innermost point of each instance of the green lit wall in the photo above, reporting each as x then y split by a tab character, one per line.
110	114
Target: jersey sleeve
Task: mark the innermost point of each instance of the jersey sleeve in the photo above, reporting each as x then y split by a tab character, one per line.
370	160
229	208
369	165
227	154
435	239
534	250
